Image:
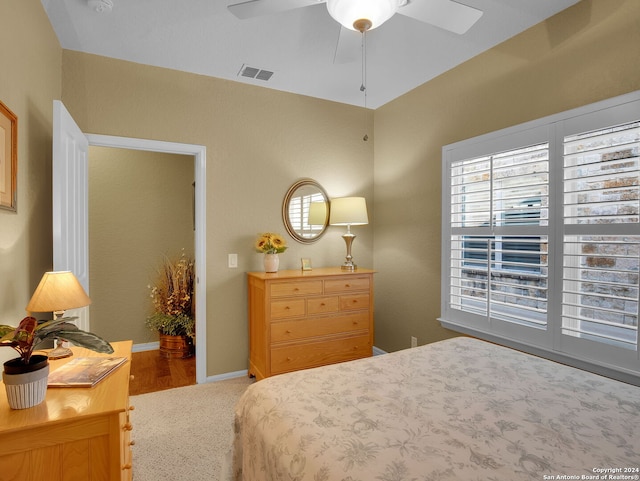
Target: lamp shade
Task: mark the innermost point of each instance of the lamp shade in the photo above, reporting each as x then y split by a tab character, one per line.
347	12
58	291
348	211
317	213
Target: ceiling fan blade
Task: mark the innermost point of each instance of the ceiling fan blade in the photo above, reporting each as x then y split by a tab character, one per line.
349	46
256	8
446	14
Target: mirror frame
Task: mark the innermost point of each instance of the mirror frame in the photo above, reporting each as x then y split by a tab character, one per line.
306	182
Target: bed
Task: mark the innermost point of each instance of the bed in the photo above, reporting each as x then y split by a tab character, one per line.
460	409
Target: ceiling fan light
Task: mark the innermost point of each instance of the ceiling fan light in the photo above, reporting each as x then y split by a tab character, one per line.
347	12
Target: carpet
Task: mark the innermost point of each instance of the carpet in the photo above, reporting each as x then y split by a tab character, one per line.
184	433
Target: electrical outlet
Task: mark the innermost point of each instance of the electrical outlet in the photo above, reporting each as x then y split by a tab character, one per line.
414	341
233	261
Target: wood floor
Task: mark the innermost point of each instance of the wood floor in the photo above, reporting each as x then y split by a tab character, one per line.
151	372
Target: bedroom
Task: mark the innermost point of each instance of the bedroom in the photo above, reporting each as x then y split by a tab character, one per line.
253	134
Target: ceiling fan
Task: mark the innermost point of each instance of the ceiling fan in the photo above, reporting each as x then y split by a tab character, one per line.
364	15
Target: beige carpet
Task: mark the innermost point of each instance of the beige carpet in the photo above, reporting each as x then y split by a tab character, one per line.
184	433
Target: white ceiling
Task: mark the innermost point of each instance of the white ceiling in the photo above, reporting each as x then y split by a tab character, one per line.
203	37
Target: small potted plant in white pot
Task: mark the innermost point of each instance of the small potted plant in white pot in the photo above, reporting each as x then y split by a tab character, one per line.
25	377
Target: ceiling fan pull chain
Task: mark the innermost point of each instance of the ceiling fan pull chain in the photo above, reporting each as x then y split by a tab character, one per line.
363	87
363	49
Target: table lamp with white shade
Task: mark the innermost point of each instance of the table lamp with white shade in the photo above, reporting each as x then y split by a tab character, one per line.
348	211
57	292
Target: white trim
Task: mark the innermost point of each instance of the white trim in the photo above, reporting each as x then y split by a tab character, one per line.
149	346
228	375
200	169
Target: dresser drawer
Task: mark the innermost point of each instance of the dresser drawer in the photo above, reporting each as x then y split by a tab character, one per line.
287	308
313	354
320	326
355	301
346	285
296	288
322	305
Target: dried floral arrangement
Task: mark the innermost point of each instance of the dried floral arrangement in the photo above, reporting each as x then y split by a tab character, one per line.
172	296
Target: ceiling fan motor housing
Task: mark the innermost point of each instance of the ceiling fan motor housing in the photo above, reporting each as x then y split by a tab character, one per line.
362	15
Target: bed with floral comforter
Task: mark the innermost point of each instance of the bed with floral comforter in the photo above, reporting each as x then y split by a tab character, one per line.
460	409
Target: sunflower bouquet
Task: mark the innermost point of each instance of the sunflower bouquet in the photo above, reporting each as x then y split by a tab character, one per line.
269	243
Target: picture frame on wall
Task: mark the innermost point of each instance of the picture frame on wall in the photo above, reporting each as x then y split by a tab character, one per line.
8	158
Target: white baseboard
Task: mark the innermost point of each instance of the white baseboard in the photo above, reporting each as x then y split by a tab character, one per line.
149	346
228	375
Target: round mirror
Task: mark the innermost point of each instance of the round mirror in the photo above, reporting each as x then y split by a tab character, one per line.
305	211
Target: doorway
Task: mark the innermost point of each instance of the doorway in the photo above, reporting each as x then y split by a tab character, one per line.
199	154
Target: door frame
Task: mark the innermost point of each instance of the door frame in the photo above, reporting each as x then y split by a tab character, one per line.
199	153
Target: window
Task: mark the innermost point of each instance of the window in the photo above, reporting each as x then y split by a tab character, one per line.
541	236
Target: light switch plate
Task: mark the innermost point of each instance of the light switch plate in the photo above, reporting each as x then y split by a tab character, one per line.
233	261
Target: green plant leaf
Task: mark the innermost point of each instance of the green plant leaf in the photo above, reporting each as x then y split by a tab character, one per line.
86	339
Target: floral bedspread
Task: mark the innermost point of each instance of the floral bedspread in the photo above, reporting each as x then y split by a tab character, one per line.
460	409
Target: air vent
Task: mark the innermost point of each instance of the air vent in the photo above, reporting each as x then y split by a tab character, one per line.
256	73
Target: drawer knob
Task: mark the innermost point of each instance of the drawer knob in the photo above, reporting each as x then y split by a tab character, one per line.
295	289
322	304
355	301
131	377
127	427
287	308
131	408
347	285
288	359
287	331
132	443
126	466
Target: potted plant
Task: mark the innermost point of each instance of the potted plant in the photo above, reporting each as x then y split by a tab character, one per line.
25	377
172	298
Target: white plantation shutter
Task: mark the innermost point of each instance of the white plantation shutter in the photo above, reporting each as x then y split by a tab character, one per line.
541	237
499	272
600	272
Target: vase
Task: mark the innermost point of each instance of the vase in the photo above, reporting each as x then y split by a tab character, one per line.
26	384
271	262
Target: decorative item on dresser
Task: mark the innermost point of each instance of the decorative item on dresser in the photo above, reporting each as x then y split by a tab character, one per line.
302	319
270	245
349	211
76	434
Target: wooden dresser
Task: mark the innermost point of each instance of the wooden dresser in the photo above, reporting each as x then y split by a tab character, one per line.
76	434
301	319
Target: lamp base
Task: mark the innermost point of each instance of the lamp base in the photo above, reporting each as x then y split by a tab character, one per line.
348	239
60	351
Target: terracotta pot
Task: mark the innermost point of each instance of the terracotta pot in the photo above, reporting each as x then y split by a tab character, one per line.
26	384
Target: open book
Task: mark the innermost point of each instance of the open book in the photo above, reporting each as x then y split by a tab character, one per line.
84	371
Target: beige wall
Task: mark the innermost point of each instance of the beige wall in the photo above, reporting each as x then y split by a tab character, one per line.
30	78
258	142
140	210
587	53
